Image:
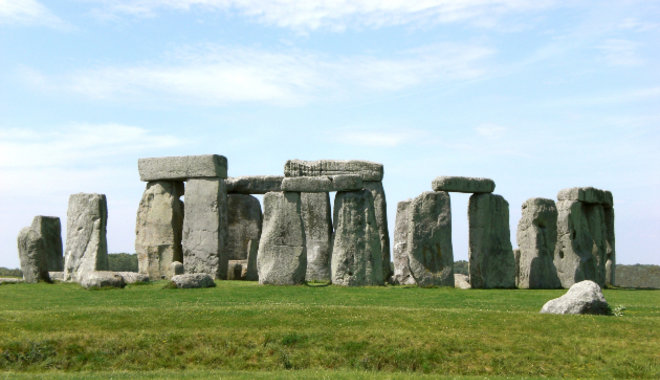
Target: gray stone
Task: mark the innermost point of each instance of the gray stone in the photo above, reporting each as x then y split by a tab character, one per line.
610	252
56	276
86	244
323	184
368	171
586	195
252	274
193	280
461	281
380	207
537	238
491	260
584	297
244	222
282	257
101	279
205	228
176	268
237	270
32	255
430	254
10	280
260	184
317	220
158	228
463	184
134	277
182	168
402	275
356	255
50	229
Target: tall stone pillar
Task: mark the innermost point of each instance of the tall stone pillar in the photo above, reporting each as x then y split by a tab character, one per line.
244	223
402	275
50	229
86	244
317	219
537	238
380	208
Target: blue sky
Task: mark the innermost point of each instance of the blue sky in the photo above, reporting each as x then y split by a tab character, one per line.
537	95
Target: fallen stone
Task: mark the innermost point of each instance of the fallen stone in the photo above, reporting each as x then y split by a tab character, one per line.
402	275
261	184
380	208
244	223
101	279
11	280
193	280
537	238
56	276
587	195
317	220
182	168
134	277
50	229
584	297
86	244
356	254
368	171
205	228
176	268
31	253
282	257
159	227
461	281
323	184
463	184
492	264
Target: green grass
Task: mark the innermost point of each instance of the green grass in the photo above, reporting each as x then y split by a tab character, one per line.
241	329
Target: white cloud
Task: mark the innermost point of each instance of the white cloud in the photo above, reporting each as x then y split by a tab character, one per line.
28	12
620	52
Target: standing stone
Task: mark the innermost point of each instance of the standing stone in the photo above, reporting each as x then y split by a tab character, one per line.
244	221
492	264
402	275
356	255
158	228
315	208
610	254
537	237
282	258
50	229
86	244
205	227
430	254
380	207
32	255
252	273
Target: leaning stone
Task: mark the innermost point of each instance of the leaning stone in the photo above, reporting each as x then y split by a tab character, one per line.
402	275
380	208
282	258
86	244
537	238
368	171
584	297
244	222
134	277
463	184
158	228
56	276
587	195
101	279
205	227
182	168
261	184
430	255
317	220
461	281
176	268
356	254
492	264
50	229
193	280
323	184
32	255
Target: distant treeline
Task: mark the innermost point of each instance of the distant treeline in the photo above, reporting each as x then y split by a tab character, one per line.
123	262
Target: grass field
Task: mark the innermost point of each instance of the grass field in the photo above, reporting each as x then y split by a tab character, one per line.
241	329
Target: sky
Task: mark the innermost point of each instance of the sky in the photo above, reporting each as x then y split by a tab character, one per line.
536	95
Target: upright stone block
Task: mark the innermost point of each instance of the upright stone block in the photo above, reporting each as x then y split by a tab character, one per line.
282	258
463	184
368	171
430	254
158	228
537	238
32	255
244	223
86	244
402	275
492	264
317	220
610	253
356	255
253	251
182	168
380	208
205	228
50	229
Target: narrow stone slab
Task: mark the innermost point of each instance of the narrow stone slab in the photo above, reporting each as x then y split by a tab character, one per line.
260	184
50	229
86	244
587	195
31	253
317	219
244	223
463	184
368	171
380	208
402	275
180	168
323	184
252	274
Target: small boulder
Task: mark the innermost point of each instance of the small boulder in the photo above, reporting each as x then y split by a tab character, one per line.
462	281
584	297
193	280
102	279
134	277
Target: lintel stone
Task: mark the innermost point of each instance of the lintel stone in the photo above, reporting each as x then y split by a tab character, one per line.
368	171
463	184
586	195
325	184
258	184
182	167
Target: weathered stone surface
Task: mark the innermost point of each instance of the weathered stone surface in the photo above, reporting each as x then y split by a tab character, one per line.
356	255
463	184
323	184
317	220
101	279
537	238
252	274
86	244
50	229
182	167
430	254
584	297
205	228
244	222
402	275
176	267
9	280
492	264
380	207
56	276
282	258
587	195
134	277
260	184
368	171
32	255
461	281
610	252
237	270
159	227
193	280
